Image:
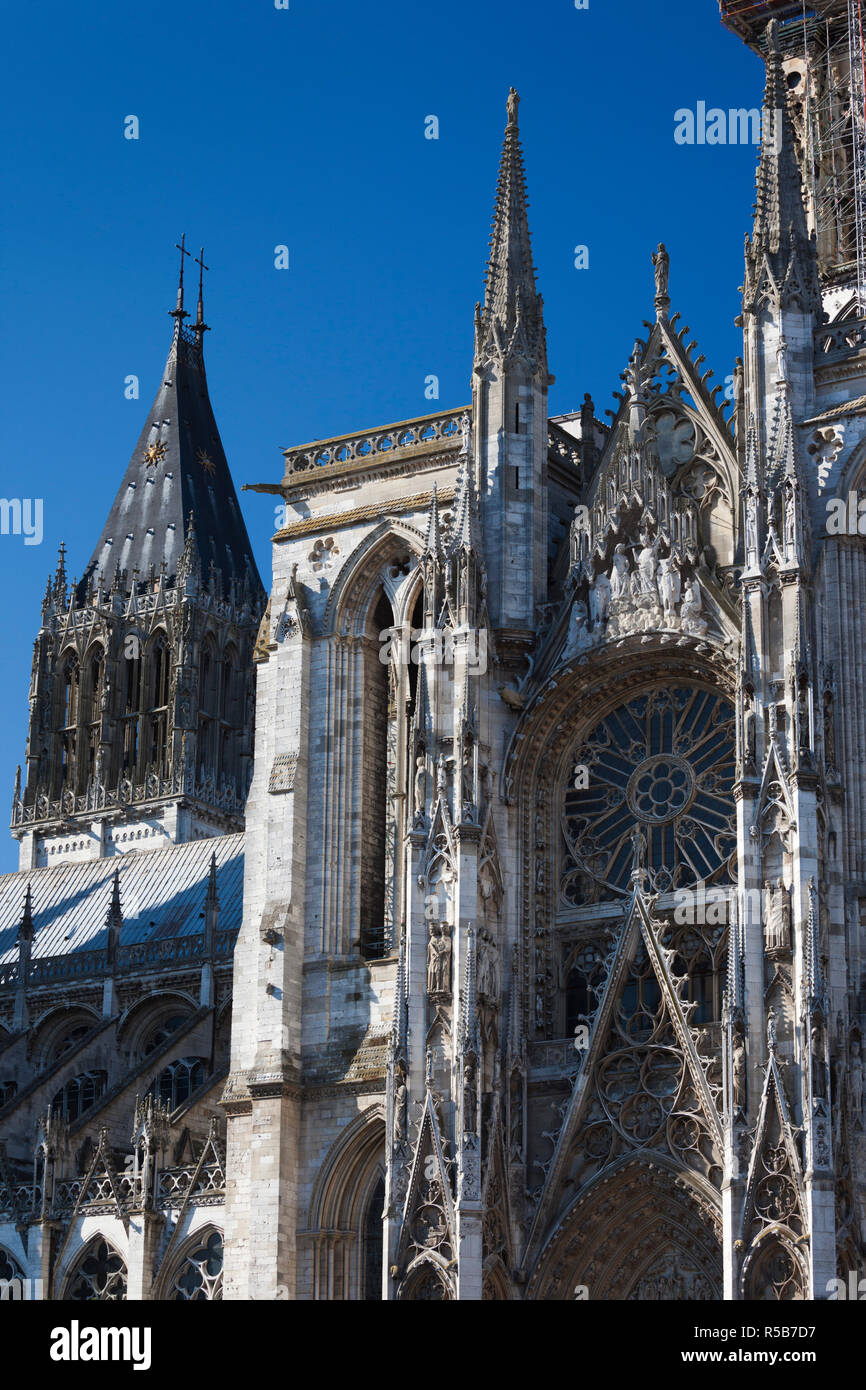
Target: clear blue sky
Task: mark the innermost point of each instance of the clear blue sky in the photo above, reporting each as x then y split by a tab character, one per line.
260	127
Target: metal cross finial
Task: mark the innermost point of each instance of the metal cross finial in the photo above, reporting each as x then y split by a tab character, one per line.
199	261
178	311
200	325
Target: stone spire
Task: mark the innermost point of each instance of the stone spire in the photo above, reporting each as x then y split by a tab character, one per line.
780	239
511	323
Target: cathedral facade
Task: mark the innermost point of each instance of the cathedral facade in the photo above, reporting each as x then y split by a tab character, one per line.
482	913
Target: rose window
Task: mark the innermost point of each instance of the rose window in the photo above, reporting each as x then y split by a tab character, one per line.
664	761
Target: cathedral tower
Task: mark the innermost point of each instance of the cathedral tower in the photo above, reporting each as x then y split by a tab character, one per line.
140	730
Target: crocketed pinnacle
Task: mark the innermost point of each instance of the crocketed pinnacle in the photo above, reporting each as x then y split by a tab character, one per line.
512	321
780	232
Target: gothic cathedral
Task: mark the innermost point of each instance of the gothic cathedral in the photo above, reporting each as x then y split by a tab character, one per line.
481	914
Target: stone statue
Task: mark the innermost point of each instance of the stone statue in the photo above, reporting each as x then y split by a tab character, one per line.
579	637
690	612
439	960
620	578
646	564
488	967
470	1098
777	934
790	523
599	599
669	586
750	734
855	1081
465	433
751	530
662	263
401	1102
782	362
420	788
738	1071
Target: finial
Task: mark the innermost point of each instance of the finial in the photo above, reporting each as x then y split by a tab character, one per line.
25	927
771	1032
200	326
178	312
513	105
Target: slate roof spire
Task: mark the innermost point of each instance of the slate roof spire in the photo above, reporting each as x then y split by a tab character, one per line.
178	469
511	323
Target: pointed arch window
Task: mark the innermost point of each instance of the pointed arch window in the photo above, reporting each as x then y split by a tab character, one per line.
132	704
209	708
373	1246
99	1276
159	681
79	1095
176	1082
69	714
94	688
378	700
200	1277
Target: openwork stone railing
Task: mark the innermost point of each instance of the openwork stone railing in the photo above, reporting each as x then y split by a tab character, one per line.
181	782
842	339
174	1184
144	955
369	445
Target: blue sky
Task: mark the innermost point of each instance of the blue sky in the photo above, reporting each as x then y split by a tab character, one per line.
305	127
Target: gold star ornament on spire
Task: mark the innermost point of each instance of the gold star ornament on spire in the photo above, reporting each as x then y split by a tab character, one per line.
153	453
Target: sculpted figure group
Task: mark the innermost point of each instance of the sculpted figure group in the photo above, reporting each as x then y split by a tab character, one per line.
648	595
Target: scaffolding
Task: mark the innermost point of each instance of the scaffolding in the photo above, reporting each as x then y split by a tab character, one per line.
827	38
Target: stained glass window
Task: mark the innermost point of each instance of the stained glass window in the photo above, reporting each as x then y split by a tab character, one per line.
663	761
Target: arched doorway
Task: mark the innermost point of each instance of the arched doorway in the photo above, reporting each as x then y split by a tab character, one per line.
642	1234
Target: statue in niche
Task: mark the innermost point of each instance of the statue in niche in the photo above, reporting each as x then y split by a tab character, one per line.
488	967
470	1098
782	362
439	960
750	733
401	1104
669	587
738	1071
620	577
420	789
855	1082
777	933
790	523
751	530
599	599
690	612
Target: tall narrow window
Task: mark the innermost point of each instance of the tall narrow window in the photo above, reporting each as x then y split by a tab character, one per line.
209	709
131	705
71	697
159	679
94	709
374	803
